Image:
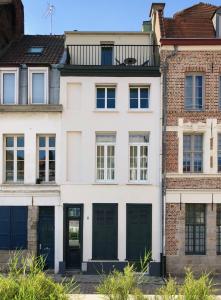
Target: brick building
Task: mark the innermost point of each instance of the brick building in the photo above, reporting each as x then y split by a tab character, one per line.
191	69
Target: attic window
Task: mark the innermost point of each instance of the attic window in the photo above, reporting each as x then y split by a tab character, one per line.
36	50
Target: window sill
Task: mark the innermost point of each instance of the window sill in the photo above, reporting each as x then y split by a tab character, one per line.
31	108
105	183
106	111
140	111
139	183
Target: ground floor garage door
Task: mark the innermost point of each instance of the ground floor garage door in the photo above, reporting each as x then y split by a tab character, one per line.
105	235
139	230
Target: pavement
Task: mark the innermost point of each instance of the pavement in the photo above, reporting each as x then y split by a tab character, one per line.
88	283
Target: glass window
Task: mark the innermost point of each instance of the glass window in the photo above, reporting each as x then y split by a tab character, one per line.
105	157
194	88
193	153
139	97
106	97
8	88
195	239
138	149
14	158
46	158
38	88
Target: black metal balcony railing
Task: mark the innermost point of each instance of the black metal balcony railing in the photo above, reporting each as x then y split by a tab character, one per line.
116	55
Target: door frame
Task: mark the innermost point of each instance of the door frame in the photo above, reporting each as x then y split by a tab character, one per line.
65	227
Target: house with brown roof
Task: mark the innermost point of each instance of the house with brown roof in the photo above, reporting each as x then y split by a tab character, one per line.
190	50
30	114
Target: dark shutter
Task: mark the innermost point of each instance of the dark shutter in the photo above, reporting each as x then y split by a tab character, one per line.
4	227
139	230
105	231
19	217
13	227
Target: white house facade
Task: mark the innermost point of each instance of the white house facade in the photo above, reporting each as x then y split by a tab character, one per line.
110	209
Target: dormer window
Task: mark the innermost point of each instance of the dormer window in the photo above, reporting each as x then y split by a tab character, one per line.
36	50
38	85
217	22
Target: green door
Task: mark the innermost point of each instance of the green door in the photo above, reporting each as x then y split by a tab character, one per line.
139	230
105	231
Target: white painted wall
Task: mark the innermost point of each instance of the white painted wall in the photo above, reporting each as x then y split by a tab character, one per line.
80	122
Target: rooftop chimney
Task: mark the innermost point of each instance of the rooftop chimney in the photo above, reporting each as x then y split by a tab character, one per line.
155	7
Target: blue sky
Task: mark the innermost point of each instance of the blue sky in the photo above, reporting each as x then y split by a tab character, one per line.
101	15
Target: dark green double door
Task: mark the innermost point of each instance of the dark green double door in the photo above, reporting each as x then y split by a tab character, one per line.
139	230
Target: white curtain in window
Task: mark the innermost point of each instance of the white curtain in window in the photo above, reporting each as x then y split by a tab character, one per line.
38	86
139	138
9	88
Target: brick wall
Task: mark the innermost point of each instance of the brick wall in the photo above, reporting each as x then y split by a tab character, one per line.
177	261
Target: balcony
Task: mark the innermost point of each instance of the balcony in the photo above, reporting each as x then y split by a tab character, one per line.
112	59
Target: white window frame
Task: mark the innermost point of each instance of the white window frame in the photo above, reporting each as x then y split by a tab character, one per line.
9	71
106	145
194	75
139	145
38	70
15	149
105	86
138	86
46	149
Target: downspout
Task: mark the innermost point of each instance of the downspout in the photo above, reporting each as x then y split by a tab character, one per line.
164	71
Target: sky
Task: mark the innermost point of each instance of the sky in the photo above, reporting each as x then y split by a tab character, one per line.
89	15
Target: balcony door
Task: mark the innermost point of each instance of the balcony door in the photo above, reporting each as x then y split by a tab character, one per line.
106	55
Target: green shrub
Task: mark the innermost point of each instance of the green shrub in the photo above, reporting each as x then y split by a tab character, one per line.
194	289
27	281
119	285
191	289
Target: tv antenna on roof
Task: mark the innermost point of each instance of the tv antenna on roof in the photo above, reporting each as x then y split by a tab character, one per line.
50	13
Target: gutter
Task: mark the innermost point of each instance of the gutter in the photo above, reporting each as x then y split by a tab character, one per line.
164	69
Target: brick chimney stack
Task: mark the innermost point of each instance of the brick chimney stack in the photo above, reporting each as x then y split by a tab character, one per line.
11	21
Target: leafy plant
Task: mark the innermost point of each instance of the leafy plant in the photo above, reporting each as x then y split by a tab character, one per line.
27	281
191	289
119	285
194	289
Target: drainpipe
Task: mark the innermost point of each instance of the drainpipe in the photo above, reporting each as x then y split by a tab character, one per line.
164	71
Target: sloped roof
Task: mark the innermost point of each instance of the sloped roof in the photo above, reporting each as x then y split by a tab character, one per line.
192	22
17	53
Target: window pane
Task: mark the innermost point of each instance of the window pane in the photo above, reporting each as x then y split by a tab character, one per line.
9	155
219	153
42	141
139	138
111	98
38	88
105	138
133	97
188	92
52	142
9	141
8	88
42	155
20	141
51	155
100	97
144	98
198	92
20	155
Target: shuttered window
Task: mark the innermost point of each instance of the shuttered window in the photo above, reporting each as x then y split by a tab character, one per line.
13	227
